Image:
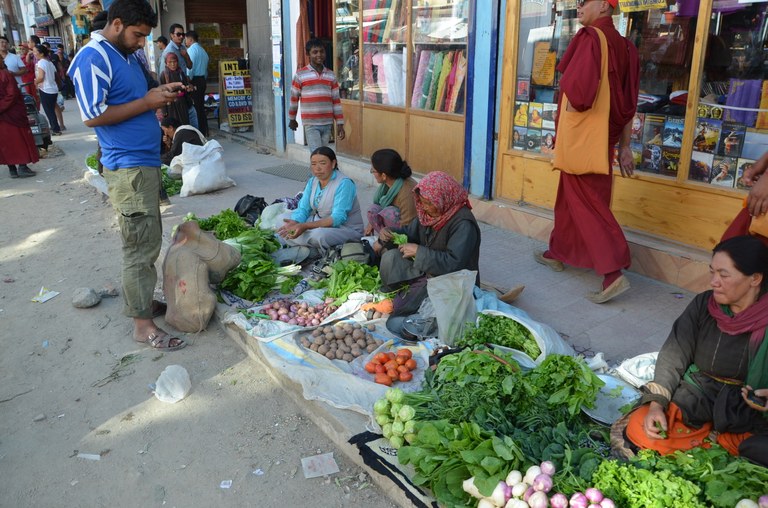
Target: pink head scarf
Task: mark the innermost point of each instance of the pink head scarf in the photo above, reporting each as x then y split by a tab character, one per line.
443	192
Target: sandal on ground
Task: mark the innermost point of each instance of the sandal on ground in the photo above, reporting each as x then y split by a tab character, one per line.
162	341
158	308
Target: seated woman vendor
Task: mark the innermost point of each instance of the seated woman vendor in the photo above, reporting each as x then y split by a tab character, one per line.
328	213
443	238
716	353
393	204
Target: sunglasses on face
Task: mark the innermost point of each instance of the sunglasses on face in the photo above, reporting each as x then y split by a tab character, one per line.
182	34
580	3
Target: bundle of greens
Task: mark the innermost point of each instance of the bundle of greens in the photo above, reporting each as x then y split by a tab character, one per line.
225	224
501	331
566	380
91	161
445	454
348	277
172	186
399	238
254	279
254	243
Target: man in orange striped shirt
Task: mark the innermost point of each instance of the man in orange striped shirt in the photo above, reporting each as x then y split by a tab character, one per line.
317	89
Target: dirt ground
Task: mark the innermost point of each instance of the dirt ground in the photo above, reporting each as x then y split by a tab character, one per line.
72	380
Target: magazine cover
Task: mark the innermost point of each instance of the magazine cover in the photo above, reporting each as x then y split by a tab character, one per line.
723	172
534	115
548	142
548	116
637	153
673	132
731	139
651	158
670	160
742	165
637	128
653	129
533	140
701	166
518	138
707	135
521	114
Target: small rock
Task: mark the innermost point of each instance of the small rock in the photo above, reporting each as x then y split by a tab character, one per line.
84	298
109	291
39	418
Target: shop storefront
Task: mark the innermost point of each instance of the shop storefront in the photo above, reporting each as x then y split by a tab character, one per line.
402	69
702	115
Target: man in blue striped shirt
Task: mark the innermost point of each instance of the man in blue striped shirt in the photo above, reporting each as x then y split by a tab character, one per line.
198	75
111	90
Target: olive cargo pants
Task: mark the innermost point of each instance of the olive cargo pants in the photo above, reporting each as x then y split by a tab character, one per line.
135	196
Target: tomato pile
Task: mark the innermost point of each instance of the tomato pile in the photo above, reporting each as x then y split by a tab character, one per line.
390	367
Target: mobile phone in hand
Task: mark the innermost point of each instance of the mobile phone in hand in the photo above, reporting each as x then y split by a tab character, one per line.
754	401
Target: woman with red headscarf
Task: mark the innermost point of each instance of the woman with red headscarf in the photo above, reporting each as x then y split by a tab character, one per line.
178	109
443	238
18	146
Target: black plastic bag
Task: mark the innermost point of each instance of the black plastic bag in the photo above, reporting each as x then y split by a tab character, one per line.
250	208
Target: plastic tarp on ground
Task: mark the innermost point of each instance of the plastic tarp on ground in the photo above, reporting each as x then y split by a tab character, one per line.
346	385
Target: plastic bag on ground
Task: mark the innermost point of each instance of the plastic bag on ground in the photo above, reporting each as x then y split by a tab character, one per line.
271	216
639	370
202	168
173	384
453	301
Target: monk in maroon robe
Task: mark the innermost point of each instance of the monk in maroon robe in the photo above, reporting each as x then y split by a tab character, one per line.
18	145
586	233
757	200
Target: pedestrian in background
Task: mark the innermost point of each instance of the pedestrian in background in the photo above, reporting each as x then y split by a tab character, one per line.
586	234
162	43
13	63
111	91
45	79
315	86
18	147
198	76
176	45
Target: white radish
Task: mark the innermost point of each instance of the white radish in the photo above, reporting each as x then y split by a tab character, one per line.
593	495
486	503
607	502
747	503
470	488
542	483
501	494
531	474
538	500
516	503
548	467
519	489
514	477
558	501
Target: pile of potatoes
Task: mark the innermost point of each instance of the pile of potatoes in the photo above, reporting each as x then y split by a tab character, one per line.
342	341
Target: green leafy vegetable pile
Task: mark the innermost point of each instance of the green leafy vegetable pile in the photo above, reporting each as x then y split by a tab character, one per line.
501	331
724	479
258	274
568	381
225	224
634	487
348	277
172	186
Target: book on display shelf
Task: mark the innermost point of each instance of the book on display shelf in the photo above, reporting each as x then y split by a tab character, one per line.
707	135
533	140
731	139
723	172
548	142
741	166
653	129
701	166
670	161
534	115
638	122
518	138
673	132
651	158
548	114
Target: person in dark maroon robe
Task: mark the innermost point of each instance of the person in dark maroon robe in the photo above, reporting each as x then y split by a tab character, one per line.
18	145
586	234
757	200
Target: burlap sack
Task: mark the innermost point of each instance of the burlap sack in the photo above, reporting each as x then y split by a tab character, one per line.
219	256
191	301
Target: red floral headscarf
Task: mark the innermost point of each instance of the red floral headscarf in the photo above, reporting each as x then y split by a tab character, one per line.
443	192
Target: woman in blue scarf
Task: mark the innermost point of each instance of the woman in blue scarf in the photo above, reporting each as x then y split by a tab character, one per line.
393	204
